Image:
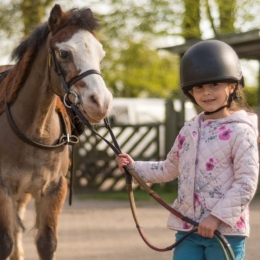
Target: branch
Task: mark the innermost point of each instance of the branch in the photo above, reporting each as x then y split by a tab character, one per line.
210	17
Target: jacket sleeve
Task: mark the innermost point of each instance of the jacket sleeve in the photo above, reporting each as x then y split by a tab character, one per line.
246	169
162	171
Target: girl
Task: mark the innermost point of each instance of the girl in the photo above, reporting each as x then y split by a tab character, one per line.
215	155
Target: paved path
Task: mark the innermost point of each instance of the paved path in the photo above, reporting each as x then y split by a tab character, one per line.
95	229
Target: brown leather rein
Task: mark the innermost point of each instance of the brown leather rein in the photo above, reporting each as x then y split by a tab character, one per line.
130	172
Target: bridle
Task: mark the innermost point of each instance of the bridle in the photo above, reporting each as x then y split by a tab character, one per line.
66	85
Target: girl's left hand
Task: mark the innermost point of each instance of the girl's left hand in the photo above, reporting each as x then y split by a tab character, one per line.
207	226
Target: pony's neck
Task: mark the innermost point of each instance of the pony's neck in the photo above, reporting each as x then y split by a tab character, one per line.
35	104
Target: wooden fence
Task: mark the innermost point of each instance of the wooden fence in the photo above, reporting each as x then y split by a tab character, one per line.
95	161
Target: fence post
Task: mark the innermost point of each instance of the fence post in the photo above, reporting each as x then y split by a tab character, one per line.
171	125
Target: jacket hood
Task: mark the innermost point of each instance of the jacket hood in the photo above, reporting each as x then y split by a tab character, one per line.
240	116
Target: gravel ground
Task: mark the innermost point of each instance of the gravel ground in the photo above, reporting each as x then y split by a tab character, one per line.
98	229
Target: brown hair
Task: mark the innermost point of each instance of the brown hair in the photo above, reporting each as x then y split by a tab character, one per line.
239	100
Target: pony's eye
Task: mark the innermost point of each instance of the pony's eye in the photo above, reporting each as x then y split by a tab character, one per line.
64	54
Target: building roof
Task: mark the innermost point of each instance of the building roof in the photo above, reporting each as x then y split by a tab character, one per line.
246	44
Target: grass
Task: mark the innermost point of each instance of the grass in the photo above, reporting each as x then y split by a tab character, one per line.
140	195
167	192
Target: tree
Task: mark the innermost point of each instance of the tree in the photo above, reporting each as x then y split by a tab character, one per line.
226	10
228	16
132	66
17	19
191	20
140	71
29	12
136	28
33	12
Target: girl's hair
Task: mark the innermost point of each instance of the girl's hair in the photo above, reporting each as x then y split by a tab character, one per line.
239	100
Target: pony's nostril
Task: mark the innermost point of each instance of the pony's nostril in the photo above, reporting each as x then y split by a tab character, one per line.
94	100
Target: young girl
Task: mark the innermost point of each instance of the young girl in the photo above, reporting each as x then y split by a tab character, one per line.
214	157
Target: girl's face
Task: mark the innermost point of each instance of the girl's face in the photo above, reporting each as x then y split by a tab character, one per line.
210	97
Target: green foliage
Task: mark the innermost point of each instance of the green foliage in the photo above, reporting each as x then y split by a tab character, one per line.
143	18
226	16
138	70
225	23
232	15
33	12
29	12
9	17
131	30
163	190
251	95
133	67
191	20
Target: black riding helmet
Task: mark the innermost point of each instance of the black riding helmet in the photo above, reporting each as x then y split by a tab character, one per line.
210	61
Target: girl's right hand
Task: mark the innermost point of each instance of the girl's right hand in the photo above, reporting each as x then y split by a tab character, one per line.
124	159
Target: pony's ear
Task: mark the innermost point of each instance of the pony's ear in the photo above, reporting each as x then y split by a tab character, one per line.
55	18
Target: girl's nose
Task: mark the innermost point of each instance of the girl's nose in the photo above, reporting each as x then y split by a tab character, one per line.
206	90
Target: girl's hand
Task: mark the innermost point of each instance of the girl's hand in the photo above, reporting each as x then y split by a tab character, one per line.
124	159
208	226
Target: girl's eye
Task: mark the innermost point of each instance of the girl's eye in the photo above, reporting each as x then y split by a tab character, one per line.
198	87
64	54
214	84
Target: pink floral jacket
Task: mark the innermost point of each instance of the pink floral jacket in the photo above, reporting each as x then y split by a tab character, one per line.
217	165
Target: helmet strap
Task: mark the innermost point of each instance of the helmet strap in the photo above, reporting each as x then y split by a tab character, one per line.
215	111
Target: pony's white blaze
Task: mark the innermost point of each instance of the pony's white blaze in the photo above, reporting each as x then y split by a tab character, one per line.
87	53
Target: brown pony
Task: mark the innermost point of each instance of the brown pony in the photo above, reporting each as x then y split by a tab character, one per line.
35	127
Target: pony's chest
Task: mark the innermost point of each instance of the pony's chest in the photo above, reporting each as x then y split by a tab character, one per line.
33	171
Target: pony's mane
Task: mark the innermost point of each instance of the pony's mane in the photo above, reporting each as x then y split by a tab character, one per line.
25	53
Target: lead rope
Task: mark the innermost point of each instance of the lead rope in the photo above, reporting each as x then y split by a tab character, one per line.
131	173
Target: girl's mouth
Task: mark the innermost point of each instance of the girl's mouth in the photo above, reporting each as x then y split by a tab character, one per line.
208	100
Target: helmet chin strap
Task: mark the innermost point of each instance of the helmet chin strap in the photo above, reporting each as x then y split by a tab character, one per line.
230	99
215	111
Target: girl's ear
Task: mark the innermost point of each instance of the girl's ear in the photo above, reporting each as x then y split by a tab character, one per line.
231	88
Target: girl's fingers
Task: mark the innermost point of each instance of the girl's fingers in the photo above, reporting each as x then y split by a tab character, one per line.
124	160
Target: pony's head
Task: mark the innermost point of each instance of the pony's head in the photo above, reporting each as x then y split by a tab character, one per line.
77	50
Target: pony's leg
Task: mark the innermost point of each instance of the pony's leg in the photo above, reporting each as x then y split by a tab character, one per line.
6	224
18	252
48	209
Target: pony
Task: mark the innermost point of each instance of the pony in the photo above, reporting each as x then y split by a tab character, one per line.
36	127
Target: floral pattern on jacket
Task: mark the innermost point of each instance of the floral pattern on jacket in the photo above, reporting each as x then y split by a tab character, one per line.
217	164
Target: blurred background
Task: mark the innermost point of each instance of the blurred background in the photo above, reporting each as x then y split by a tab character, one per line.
144	41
